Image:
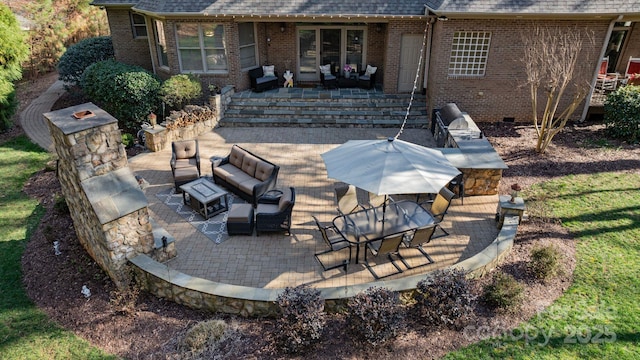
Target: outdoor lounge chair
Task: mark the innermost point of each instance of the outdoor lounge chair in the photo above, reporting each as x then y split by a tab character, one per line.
336	243
275	217
386	246
185	162
328	78
633	67
440	206
415	240
606	81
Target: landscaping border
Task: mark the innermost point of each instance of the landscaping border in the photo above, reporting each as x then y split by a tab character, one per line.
160	280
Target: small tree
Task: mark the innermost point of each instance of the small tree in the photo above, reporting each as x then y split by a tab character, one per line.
554	59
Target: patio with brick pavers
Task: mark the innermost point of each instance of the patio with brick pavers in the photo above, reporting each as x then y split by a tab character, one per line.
275	260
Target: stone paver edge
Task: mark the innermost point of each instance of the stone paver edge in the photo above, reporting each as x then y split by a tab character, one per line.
475	266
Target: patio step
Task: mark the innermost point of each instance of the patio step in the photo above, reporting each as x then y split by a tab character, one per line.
318	107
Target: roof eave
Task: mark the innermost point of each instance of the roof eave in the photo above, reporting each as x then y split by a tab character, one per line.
283	17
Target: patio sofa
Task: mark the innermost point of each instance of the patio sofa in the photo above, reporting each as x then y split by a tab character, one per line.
247	175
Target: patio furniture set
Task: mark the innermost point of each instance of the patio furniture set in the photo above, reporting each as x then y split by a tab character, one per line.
382	228
379	224
247	175
350	77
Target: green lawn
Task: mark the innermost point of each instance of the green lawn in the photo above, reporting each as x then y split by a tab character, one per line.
599	315
25	331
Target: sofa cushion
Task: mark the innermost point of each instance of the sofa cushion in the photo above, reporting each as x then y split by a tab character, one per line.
268	71
266	208
225	171
265	79
185	149
247	185
236	156
370	70
185	163
238	178
249	163
185	174
325	69
263	170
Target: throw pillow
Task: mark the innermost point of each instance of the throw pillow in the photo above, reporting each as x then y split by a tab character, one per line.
269	70
325	69
370	70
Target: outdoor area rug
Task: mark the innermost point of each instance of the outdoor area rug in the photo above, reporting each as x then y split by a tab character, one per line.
215	228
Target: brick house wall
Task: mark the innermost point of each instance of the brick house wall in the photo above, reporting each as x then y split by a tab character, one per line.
395	30
127	48
501	93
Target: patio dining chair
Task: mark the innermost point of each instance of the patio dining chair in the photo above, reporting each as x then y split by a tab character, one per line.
347	199
389	246
415	240
335	241
457	183
440	206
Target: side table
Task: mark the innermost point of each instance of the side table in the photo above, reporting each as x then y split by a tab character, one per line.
506	207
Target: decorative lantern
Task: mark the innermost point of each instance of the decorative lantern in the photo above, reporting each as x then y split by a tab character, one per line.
152	120
515	192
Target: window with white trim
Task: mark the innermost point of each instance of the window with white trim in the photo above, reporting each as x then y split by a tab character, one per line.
248	48
139	26
469	52
201	47
161	43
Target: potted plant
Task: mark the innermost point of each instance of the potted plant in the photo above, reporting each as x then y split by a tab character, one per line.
214	89
634	79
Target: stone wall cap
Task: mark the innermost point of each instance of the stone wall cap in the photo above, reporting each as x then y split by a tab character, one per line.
474	154
114	195
64	118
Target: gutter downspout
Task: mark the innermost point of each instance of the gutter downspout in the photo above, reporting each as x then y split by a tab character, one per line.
427	58
585	110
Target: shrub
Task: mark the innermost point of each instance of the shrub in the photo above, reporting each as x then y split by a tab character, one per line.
127	92
503	292
545	262
622	113
445	298
127	140
375	315
82	54
203	335
302	320
8	106
178	90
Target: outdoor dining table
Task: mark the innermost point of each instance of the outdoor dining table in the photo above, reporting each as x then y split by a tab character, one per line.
375	223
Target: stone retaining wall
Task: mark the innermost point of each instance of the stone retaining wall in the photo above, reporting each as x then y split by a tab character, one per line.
159	137
198	293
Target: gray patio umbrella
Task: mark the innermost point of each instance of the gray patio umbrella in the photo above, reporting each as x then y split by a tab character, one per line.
391	166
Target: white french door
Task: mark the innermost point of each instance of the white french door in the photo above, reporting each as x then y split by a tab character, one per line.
336	45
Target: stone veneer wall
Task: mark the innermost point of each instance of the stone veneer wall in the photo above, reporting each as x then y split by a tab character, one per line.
245	301
108	208
158	138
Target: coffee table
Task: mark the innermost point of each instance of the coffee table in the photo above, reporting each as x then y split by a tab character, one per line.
205	197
